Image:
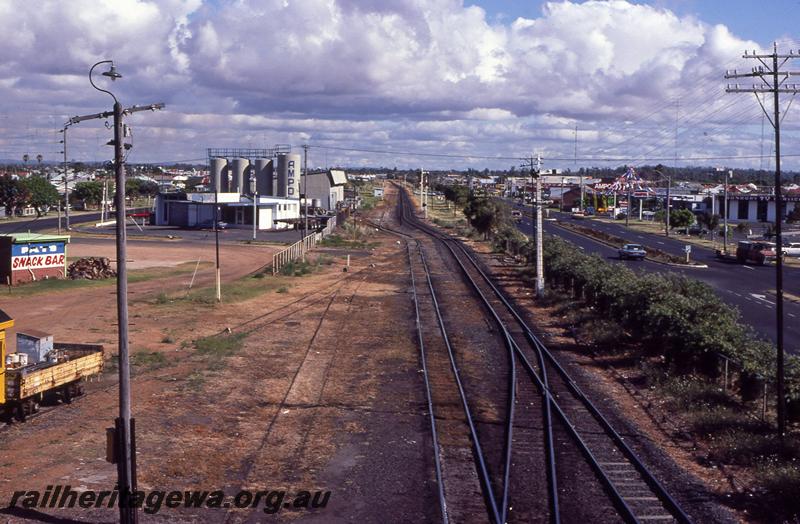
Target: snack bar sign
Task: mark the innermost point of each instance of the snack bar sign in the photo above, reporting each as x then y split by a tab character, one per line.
38	255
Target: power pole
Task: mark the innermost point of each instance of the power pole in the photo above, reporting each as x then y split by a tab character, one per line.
66	184
773	81
580	207
305	189
255	213
729	174
535	166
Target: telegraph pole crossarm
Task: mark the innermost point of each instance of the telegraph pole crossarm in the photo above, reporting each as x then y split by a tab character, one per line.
773	81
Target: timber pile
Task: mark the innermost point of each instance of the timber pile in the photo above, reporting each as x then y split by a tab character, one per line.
91	268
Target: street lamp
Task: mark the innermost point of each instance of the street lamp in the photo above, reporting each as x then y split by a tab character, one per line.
125	455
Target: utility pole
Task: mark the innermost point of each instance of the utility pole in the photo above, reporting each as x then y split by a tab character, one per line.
66	184
773	81
580	207
536	205
255	213
729	174
630	206
423	193
669	189
305	190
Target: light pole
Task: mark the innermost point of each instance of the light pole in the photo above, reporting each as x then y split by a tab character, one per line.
305	189
126	457
66	184
726	174
255	213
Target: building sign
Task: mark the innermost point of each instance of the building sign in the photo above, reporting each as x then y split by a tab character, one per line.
38	255
291	176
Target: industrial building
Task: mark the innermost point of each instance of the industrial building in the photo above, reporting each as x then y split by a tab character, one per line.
27	257
261	185
326	189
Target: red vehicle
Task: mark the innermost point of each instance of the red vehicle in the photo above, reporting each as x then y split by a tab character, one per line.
757	252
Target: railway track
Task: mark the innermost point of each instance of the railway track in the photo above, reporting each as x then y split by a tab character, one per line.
591	472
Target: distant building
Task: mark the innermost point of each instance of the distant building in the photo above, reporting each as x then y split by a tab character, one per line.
755	207
196	210
327	188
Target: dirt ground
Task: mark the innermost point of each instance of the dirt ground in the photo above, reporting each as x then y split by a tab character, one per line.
316	387
322	395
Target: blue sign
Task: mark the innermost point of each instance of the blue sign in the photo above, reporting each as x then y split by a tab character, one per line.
38	255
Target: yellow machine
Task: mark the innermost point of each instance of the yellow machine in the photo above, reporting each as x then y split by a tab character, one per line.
23	386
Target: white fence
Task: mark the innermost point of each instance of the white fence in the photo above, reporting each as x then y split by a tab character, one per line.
298	249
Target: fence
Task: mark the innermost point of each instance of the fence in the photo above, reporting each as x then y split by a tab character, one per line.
299	248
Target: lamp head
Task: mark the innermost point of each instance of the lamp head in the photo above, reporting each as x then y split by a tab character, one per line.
112	73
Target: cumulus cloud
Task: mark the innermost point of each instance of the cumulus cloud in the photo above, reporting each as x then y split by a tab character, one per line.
416	74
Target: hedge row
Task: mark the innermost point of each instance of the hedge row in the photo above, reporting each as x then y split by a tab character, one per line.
676	317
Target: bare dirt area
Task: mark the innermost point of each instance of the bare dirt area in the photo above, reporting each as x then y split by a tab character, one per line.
314	386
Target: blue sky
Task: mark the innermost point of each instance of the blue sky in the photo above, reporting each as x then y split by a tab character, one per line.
762	21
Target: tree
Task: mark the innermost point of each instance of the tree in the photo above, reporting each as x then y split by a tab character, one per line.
711	222
485	215
41	194
681	218
90	192
12	193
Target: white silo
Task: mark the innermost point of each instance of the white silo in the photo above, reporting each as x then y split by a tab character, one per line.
264	176
218	174
239	168
293	172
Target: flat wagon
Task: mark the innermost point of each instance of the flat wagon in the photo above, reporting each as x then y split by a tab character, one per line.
60	377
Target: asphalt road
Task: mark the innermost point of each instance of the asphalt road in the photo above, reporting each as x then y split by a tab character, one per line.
230	234
745	287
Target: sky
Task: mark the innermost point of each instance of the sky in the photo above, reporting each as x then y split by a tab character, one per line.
436	84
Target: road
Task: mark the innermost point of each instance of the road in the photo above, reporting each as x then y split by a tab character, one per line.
231	234
746	287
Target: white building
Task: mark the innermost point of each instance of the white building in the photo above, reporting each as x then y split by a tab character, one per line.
196	210
754	207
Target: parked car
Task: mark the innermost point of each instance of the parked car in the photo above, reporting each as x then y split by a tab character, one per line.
697	229
634	251
757	252
791	249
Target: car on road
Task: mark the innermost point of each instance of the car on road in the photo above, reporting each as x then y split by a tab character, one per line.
632	251
516	215
757	252
791	249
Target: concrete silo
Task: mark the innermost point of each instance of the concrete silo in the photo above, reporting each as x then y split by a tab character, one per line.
265	175
283	176
218	175
293	172
240	181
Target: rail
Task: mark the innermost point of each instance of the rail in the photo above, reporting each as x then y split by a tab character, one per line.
552	400
299	249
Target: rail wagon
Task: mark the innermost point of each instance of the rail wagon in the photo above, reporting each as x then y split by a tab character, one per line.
60	376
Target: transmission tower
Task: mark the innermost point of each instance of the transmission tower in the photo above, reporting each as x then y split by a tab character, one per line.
773	80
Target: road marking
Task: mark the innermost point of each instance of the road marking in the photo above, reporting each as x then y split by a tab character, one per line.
748	267
735	293
662	243
763	298
792	315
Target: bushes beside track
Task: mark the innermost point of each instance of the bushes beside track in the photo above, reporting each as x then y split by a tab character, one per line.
674	317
